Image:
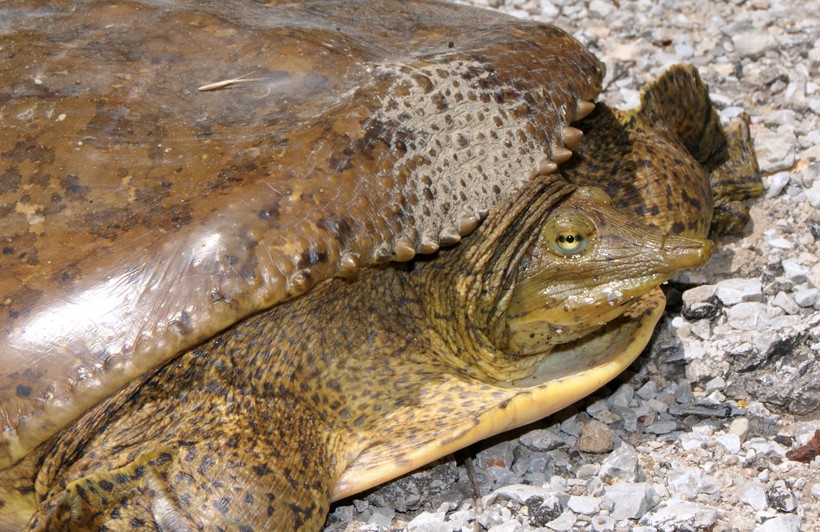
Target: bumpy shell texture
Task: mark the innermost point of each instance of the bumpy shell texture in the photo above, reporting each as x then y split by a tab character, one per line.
167	168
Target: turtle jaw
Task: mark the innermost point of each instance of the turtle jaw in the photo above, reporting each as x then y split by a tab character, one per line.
581	313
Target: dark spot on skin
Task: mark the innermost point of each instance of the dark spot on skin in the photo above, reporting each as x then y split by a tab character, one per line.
137	522
83	494
339	164
106	485
10	180
439	101
236	173
7	250
207	462
162	459
22	390
271	212
222	504
71	186
25	490
339	228
233	260
122	478
261	470
677	228
311	257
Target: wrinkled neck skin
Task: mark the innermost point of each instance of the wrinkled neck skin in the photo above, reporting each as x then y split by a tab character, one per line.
466	292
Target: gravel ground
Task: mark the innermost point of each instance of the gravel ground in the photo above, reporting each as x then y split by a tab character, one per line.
694	436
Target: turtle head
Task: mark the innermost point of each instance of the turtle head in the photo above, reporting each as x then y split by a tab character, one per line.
589	265
559	277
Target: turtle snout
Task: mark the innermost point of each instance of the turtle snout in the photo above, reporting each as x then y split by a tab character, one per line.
680	252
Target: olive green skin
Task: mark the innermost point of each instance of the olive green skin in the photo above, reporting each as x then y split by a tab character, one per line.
159	186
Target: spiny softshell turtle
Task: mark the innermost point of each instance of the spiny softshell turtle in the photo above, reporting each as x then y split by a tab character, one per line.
224	290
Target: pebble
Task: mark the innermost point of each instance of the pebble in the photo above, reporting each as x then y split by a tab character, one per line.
753	494
753	44
786	302
781	499
795	271
779	243
601	8
814	275
781	523
748	316
622	464
775	149
596	437
602	523
542	440
587	471
519	493
730	442
775	183
428	522
813	195
584	505
689	482
691	441
739	428
734	291
682	515
600	411
382	517
698	294
622	397
630	500
806	297
715	384
563	523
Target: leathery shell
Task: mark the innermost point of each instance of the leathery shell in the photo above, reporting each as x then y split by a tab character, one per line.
167	169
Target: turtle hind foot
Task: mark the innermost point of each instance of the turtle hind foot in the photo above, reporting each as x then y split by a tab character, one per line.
680	101
117	500
734	181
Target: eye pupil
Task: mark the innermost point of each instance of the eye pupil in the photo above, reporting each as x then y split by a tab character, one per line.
570	243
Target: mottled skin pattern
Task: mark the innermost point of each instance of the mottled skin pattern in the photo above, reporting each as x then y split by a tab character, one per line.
374	146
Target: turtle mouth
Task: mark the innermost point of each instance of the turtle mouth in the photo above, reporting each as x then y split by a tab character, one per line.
602	351
580	313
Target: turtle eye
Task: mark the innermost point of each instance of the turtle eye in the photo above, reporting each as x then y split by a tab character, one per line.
568	235
570	243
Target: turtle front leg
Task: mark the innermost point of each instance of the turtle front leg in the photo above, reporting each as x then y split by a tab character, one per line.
246	479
